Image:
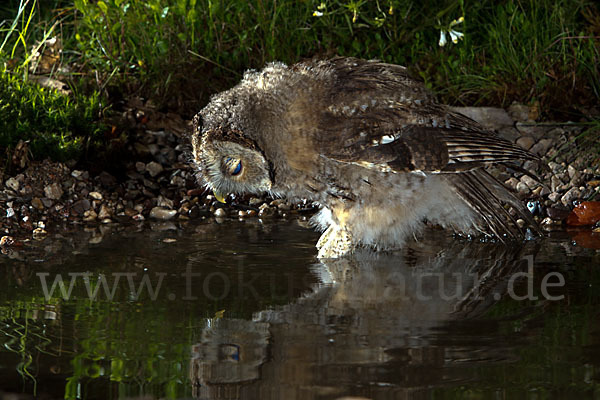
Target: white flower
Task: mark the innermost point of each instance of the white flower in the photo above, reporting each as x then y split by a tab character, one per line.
443	40
317	14
455	36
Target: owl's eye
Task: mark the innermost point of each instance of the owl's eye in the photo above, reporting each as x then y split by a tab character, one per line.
234	166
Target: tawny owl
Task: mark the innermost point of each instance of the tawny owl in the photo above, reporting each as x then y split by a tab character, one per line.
363	140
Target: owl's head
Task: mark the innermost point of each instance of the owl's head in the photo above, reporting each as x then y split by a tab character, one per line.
230	162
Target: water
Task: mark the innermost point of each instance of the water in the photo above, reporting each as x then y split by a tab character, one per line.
245	311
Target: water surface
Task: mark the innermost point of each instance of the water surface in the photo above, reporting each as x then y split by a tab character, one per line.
245	311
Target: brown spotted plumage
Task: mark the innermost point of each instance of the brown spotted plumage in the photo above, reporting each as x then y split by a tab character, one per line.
365	141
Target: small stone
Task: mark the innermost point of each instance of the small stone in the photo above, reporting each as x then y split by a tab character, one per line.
520	223
255	201
79	175
95	195
140	167
526	142
47	202
37	203
284	207
529	181
53	191
12	183
154	168
512	182
550	224
557	213
6	241
572	194
541	147
522	188
162	213
39	233
277	202
554	197
10	212
107	180
220	213
594	183
572	171
489	117
81	206
519	112
138	217
105	212
169	240
90	215
164	202
555	183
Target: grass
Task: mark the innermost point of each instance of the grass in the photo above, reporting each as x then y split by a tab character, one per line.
178	52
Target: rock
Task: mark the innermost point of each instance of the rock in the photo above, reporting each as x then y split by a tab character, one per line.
554	197
556	213
555	183
95	195
47	202
489	117
90	216
105	212
53	191
519	112
254	201
220	213
512	182
586	213
535	131
10	212
6	241
12	183
154	168
571	170
572	194
509	133
284	207
37	203
140	167
162	213
81	206
594	183
529	181
107	180
526	142
39	233
541	147
549	224
164	202
520	223
522	188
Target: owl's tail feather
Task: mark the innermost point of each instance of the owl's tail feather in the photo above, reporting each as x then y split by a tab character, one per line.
488	197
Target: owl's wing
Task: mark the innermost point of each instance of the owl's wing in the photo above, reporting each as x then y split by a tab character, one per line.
379	117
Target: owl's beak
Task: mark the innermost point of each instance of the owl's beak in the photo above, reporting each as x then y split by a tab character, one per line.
220	196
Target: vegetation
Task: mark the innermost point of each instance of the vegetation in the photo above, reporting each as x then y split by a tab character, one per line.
178	52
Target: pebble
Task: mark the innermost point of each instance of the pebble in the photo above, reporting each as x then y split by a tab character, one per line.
572	194
39	233
6	241
37	203
95	195
162	214
90	215
154	168
105	212
12	183
53	191
526	142
220	213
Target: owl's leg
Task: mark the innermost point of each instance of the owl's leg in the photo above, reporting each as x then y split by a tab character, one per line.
335	242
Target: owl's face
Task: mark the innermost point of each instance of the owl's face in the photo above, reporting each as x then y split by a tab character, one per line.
231	163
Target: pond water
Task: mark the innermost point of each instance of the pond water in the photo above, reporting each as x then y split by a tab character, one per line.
244	310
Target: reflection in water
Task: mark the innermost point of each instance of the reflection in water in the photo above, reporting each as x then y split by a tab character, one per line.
262	319
370	328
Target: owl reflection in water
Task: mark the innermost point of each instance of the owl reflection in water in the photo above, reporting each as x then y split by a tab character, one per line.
364	141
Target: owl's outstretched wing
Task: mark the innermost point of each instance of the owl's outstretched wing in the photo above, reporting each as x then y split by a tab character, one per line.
386	121
380	117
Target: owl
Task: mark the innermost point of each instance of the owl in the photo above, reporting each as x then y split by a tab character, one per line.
367	143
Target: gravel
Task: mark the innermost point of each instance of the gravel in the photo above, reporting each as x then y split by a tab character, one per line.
159	184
